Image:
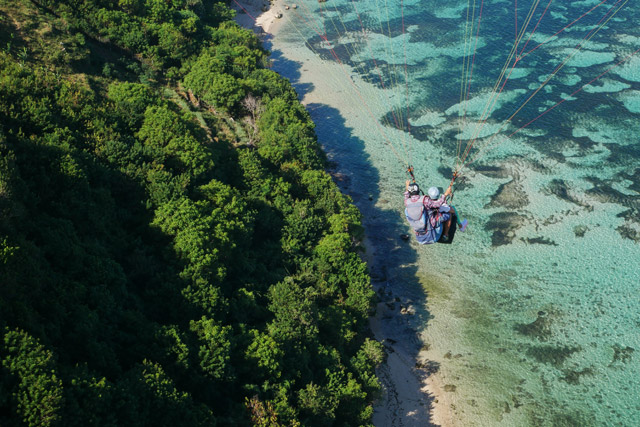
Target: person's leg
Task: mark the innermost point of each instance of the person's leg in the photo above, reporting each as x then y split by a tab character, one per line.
455	212
445	228
462	225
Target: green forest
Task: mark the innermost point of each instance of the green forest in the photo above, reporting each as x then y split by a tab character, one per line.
172	249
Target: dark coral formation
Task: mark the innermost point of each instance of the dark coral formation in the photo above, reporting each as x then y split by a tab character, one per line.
510	195
635	178
539	328
551	354
491	171
504	226
560	188
572	376
629	233
621	354
605	193
539	241
580	230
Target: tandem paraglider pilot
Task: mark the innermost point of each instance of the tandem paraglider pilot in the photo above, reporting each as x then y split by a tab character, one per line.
430	216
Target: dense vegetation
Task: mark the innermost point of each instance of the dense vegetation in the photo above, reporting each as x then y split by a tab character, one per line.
171	250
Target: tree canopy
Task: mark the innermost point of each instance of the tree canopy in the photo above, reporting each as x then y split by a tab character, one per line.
172	251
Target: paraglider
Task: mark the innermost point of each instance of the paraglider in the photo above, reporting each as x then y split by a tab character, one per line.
430	216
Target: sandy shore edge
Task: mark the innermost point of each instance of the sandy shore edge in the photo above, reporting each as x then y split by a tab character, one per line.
411	396
261	16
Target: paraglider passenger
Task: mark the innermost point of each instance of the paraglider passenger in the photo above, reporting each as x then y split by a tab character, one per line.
429	216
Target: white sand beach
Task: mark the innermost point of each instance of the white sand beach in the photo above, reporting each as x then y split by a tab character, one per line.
259	15
411	396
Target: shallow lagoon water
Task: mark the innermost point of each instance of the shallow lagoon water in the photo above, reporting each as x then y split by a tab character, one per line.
532	316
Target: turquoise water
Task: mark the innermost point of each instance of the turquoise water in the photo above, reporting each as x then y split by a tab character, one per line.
532	316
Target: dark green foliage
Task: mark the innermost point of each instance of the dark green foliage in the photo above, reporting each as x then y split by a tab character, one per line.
150	397
131	100
370	355
174	141
266	354
295	312
213	352
287	133
158	266
36	390
89	400
270	85
215	76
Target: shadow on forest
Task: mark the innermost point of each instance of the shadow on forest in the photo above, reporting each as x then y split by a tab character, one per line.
392	261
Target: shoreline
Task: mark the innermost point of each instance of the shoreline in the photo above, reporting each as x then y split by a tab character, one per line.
259	16
411	394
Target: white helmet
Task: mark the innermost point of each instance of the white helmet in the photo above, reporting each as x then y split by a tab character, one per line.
434	193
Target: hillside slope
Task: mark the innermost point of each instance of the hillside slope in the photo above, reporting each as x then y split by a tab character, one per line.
172	251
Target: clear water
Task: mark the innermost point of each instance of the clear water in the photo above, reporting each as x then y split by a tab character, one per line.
532	317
